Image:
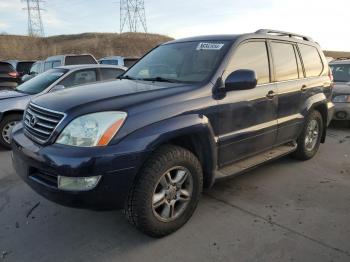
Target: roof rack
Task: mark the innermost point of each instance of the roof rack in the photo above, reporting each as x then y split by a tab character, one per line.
282	33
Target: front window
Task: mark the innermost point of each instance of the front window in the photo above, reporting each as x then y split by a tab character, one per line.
41	82
341	72
190	62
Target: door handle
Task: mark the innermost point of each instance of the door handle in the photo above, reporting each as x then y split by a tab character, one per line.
303	88
271	94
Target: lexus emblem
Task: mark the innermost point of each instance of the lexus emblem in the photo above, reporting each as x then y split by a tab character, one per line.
33	121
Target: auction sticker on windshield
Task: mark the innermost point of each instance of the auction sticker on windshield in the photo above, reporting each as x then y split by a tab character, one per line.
209	46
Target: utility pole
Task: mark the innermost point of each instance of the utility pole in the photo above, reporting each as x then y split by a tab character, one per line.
35	23
132	15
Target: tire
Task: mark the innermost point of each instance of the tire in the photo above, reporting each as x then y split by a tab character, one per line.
305	150
141	210
6	125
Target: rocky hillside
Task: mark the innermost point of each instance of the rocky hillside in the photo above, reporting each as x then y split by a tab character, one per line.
98	44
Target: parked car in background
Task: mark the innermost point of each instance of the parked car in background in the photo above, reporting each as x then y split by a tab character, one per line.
71	59
118	60
191	111
9	77
341	91
22	67
13	103
37	68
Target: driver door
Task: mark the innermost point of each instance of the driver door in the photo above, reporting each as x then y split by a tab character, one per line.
248	118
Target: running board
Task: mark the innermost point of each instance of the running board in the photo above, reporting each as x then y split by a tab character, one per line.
254	161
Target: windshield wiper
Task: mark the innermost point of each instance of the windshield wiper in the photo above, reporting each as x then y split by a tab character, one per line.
126	77
160	79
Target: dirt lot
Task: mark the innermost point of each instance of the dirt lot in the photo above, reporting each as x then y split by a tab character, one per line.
283	211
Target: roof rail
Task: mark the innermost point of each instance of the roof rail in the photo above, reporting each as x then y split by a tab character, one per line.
282	33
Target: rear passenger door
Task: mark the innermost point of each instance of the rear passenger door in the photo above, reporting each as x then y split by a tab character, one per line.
288	75
248	118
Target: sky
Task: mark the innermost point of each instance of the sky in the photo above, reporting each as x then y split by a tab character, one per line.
325	21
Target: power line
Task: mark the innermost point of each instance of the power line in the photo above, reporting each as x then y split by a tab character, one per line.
132	15
35	23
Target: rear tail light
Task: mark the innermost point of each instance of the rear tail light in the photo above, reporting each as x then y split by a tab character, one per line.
14	74
330	74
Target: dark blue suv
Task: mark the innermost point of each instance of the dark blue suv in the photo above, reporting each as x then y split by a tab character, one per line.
191	111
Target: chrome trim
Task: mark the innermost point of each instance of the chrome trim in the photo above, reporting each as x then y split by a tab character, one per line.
57	123
261	126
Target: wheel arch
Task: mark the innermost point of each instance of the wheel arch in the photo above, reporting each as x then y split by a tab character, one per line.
193	132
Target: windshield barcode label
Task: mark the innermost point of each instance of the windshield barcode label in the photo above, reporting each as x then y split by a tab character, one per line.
209	46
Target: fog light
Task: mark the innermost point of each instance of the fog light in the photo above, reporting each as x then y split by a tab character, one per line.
78	183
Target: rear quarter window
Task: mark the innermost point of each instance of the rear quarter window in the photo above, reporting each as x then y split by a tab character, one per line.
80	60
312	61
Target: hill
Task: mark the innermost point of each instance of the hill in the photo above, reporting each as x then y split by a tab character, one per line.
98	44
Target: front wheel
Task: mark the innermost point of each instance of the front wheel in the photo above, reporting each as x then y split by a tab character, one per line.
310	137
166	192
6	125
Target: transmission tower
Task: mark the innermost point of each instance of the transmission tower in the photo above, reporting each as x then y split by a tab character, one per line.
35	23
132	15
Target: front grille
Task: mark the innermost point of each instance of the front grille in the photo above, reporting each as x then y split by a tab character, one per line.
40	122
44	178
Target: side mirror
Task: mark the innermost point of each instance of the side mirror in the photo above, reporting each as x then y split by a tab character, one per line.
58	88
242	79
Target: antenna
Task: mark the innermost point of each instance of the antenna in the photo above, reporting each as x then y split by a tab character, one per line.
35	24
133	15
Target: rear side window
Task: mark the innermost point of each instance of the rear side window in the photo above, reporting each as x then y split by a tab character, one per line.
312	61
47	66
253	56
284	61
6	67
128	62
109	62
80	77
24	67
110	73
56	63
80	60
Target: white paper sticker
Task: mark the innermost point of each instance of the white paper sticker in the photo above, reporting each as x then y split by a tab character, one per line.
209	46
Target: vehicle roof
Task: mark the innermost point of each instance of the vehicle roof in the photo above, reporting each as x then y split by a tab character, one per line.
261	33
340	61
111	57
65	55
72	67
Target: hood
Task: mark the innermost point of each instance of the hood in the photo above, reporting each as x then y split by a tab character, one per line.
341	88
4	94
109	95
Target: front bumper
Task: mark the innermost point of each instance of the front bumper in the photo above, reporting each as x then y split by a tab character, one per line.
39	167
341	111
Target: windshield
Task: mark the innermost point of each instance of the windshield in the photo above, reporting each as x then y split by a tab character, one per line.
41	82
341	72
190	62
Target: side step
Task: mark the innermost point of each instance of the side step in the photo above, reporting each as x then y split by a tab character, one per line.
254	161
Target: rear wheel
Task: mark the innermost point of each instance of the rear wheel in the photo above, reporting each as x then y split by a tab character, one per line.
6	126
310	137
166	193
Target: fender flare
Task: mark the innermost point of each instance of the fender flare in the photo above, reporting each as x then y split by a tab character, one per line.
149	138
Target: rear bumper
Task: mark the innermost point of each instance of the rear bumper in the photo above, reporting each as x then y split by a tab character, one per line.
341	111
9	84
40	166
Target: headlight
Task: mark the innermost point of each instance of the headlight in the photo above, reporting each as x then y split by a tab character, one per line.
91	130
341	99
